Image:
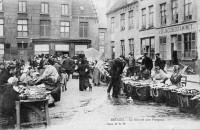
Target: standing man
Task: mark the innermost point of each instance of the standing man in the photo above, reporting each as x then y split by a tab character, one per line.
116	71
131	65
160	62
147	62
68	65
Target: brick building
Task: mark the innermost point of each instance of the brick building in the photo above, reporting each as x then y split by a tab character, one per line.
44	26
170	27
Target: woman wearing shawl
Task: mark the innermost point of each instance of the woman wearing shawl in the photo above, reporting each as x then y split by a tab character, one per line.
83	69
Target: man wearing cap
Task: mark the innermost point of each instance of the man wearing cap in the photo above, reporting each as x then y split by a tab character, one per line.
147	62
131	65
160	62
116	72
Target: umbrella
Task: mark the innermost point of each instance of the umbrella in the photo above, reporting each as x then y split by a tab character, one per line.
92	54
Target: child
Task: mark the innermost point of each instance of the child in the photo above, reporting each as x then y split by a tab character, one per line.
64	79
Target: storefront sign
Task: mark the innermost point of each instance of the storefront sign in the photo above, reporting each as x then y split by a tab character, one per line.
173	29
148	33
42	49
61	47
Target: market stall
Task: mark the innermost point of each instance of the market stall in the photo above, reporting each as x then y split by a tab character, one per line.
187	100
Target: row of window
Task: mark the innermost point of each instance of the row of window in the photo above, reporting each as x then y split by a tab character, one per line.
131	46
183	44
22	7
163	15
22	28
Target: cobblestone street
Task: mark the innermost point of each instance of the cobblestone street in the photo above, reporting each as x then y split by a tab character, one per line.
95	110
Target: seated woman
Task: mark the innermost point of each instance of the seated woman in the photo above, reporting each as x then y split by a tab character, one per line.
51	79
176	76
144	73
159	75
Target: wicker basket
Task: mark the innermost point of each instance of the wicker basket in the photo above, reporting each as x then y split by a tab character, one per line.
198	108
157	95
143	92
171	98
129	90
186	104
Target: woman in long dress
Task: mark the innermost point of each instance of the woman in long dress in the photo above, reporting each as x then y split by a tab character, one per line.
83	69
96	75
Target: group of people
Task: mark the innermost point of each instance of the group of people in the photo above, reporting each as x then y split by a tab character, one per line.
127	67
51	70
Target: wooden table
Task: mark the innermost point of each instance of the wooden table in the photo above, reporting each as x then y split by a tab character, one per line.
40	107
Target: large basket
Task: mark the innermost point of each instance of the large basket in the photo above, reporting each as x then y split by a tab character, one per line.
143	92
198	108
157	95
171	98
129	90
186	104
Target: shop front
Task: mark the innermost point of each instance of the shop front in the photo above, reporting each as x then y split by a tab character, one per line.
60	47
178	44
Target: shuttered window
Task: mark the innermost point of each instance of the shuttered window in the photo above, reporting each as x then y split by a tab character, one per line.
190	45
163	50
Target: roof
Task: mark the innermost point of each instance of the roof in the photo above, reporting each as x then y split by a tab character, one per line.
83	8
119	4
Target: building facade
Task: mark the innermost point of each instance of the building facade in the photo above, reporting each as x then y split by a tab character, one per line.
168	27
122	29
34	27
178	31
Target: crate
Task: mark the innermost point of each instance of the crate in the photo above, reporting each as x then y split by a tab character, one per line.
34	117
185	103
143	92
171	98
157	95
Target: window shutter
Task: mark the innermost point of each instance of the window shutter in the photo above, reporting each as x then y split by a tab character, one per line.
193	46
179	46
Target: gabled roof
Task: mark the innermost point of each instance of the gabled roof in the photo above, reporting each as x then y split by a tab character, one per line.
83	8
118	5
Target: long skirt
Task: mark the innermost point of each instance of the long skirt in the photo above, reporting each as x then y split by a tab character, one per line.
116	87
83	82
96	76
7	105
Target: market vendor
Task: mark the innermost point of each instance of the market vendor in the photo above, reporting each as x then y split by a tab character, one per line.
50	78
176	76
144	73
8	96
159	75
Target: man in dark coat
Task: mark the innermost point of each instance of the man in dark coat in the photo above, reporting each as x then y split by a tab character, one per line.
116	71
68	65
147	62
160	62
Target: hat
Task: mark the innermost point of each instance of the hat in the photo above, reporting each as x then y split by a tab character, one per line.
157	54
122	56
157	67
145	53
